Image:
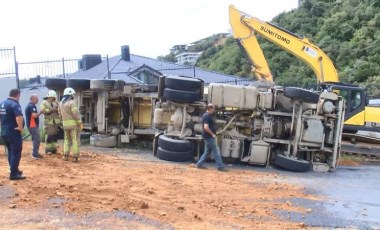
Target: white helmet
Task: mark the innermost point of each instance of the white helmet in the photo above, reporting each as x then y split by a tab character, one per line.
69	91
52	93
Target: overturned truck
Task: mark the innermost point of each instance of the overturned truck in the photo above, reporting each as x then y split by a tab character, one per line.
292	128
111	111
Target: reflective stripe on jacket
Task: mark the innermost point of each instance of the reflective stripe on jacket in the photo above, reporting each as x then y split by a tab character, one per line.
50	117
70	114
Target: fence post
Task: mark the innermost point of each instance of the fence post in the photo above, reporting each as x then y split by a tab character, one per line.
63	68
194	71
108	68
16	68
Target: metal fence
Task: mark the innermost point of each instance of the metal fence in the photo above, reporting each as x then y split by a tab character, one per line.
193	71
8	63
237	82
26	73
29	74
50	68
186	71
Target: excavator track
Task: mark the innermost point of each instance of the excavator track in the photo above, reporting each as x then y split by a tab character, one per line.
356	144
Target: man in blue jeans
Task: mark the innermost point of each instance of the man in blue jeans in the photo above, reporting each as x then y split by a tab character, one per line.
33	123
12	123
209	137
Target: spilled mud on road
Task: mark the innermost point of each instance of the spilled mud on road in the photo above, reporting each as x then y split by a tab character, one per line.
172	195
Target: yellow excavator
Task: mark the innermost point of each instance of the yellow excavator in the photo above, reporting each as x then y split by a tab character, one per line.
359	115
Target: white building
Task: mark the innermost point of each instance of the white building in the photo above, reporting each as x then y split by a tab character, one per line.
188	58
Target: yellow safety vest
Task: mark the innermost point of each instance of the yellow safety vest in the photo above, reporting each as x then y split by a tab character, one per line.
50	118
70	114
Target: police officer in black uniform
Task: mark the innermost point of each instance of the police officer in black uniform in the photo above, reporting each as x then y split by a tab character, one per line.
12	123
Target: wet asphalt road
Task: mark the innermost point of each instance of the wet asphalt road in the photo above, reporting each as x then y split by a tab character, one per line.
351	197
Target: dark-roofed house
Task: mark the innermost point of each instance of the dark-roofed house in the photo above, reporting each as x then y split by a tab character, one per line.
135	69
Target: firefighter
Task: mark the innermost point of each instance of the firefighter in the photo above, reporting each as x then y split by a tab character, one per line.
72	124
49	108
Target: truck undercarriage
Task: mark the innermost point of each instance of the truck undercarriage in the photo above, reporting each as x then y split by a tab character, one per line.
290	127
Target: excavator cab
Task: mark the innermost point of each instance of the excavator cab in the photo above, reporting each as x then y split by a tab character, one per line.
356	102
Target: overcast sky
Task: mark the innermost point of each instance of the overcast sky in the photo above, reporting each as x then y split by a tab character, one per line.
44	29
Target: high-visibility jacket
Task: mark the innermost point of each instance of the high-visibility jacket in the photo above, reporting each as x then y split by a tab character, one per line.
50	117
70	114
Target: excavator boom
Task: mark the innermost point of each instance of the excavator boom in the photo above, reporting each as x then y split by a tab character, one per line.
245	28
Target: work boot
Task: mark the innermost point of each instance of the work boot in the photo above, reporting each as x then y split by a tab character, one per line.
19	172
65	157
200	167
17	177
75	159
222	169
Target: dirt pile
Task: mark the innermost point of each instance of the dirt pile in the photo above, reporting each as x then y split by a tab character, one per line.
175	194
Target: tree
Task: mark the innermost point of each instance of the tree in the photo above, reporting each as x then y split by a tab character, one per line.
169	57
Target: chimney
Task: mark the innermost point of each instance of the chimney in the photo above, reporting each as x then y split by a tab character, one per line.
125	55
80	64
90	60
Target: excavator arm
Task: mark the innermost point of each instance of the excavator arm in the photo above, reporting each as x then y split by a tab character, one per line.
246	27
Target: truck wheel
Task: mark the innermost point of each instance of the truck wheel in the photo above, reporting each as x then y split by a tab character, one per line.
79	84
167	155
301	95
104	85
183	83
173	144
105	141
291	164
55	83
181	96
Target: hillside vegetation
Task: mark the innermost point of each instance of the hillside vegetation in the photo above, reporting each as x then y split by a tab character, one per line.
347	30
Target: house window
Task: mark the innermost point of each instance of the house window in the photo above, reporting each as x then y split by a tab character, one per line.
147	77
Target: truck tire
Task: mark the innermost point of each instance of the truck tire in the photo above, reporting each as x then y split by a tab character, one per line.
183	83
167	155
103	85
302	95
55	83
105	141
79	84
181	96
174	145
291	164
